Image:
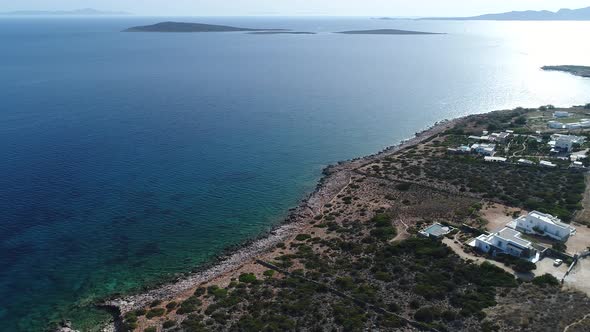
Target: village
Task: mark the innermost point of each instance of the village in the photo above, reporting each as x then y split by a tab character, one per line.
554	147
540	242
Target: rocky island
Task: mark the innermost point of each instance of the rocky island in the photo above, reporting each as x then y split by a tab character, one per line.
387	32
194	27
385	242
582	71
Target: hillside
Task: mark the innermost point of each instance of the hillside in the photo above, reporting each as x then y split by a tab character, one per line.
582	14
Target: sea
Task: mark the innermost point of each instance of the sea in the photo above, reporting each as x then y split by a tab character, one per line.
129	159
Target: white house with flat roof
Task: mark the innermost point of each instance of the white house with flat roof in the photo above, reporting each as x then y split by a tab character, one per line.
555	125
495	159
506	241
561	114
545	224
484	149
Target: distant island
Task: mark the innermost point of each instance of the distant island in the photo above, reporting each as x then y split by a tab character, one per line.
387	32
195	27
281	33
582	14
77	12
582	71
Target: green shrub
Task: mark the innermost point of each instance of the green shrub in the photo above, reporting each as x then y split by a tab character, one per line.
171	305
200	291
269	273
546	280
193	323
302	237
559	246
247	278
217	292
190	305
168	324
150	329
155	303
130	317
425	314
523	266
404	186
157	312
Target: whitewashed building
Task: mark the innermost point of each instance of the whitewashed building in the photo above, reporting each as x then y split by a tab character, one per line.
561	114
546	163
506	241
484	149
546	225
495	159
555	125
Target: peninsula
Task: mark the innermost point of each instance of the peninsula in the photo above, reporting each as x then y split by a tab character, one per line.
582	71
387	32
582	14
390	242
194	27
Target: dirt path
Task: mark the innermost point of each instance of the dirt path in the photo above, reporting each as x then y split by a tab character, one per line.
520	151
403	234
576	322
458	249
583	217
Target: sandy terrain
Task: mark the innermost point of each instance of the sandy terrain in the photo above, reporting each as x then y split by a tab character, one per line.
498	216
579	242
579	277
545	266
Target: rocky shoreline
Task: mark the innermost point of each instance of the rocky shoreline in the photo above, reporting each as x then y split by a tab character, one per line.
336	177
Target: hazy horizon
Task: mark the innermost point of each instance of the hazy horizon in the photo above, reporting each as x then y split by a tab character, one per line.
395	8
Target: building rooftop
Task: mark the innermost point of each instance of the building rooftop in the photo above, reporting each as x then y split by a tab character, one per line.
549	219
513	236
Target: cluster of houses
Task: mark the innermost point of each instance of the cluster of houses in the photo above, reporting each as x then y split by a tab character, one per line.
509	240
561	147
494	137
583	123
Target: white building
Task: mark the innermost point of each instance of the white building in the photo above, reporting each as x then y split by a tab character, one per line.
484	149
577	165
561	114
495	159
500	137
545	224
575	139
506	241
525	162
555	125
460	150
545	163
564	143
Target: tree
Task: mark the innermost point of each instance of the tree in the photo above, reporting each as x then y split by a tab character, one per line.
546	280
523	266
559	246
521	120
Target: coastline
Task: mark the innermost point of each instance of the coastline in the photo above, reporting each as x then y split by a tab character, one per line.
335	179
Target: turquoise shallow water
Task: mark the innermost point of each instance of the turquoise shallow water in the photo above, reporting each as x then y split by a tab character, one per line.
130	158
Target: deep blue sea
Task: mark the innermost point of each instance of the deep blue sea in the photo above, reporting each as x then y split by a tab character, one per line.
129	158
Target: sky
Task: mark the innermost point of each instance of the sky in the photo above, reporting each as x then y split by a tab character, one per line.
298	7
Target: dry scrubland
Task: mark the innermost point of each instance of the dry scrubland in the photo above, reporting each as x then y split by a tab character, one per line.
355	263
